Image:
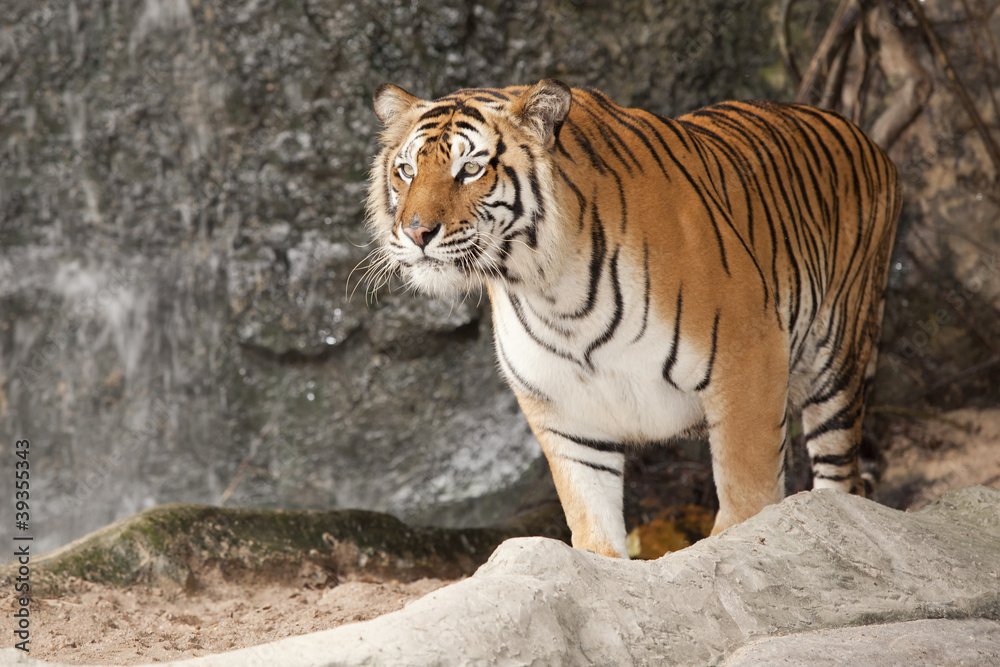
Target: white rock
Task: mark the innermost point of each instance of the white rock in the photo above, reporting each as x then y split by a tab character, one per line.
818	560
941	643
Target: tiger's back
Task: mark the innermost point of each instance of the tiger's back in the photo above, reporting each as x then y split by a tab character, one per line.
788	206
646	274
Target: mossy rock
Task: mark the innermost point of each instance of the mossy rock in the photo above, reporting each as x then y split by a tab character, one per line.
187	545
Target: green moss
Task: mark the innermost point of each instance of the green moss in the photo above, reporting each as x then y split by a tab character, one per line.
181	543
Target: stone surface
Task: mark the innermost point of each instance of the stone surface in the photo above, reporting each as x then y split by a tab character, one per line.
934	643
818	560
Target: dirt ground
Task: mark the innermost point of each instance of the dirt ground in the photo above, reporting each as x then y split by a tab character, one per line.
929	457
95	624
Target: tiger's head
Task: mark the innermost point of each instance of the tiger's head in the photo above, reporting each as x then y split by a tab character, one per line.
461	192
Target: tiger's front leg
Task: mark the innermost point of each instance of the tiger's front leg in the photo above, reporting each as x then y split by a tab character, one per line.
590	481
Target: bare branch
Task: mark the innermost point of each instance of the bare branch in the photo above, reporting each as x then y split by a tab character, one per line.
841	31
931	38
900	64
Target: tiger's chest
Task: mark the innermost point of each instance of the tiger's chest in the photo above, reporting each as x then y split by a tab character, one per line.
597	371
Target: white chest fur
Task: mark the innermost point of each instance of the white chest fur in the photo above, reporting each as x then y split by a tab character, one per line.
596	364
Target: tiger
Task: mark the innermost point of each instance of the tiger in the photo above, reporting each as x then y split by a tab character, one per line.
646	275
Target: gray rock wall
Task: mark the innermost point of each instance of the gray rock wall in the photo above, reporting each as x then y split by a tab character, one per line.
181	207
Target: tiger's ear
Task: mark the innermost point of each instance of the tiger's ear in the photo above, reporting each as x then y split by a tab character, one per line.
390	101
544	107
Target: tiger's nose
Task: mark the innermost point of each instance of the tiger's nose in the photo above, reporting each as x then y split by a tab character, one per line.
419	234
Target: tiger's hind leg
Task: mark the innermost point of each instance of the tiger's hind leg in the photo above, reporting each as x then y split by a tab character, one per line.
832	414
843	341
831	422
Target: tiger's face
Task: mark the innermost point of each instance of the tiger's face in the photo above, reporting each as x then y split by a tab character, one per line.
450	203
460	191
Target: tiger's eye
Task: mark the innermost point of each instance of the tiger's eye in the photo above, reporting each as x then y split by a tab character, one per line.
406	170
471	168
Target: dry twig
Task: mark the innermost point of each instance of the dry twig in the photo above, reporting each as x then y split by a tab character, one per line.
824	62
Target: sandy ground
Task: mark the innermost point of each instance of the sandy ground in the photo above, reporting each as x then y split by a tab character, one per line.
94	624
928	457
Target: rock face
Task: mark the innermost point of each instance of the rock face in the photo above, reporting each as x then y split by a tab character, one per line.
819	560
931	642
181	206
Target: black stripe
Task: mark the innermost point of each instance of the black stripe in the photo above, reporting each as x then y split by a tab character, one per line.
668	365
836	384
645	296
835	478
663	145
598	250
616	319
492	93
787	233
519	312
599	445
595	466
620	114
434	112
471	112
808	245
753	142
669	124
680	135
580	199
608	136
584	143
622	200
611	138
527	386
501	146
744	172
598	162
517	207
729	221
538	212
838	134
843	420
505	273
837	459
711	359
